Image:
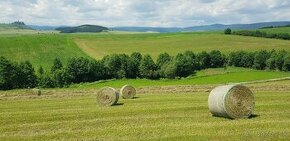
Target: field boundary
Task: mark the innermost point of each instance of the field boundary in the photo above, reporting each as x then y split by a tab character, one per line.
263	81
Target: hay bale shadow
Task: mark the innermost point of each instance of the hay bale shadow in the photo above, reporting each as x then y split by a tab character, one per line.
118	104
254	116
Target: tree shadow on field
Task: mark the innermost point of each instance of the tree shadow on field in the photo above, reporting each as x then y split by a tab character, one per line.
135	97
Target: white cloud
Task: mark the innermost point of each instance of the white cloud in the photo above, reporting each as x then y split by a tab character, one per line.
143	12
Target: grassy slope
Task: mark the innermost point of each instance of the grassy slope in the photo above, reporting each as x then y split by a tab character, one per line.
209	76
99	45
277	30
8	29
149	117
39	49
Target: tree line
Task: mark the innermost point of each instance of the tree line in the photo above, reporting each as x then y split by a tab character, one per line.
257	33
117	66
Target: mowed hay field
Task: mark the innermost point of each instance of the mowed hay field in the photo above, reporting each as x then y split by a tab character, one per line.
173	43
73	116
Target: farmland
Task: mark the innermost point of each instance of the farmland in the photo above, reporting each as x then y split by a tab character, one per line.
74	115
277	30
35	47
173	43
39	49
208	76
165	109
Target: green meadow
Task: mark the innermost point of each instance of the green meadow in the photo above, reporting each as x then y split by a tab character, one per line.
42	48
208	76
39	49
277	30
173	43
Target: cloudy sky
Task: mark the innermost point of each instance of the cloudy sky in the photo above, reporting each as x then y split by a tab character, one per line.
163	13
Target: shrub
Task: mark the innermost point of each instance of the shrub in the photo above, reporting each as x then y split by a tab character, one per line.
134	64
57	64
203	59
26	75
216	59
184	65
8	74
148	68
78	69
46	81
286	64
228	31
279	59
61	78
260	59
168	70
163	59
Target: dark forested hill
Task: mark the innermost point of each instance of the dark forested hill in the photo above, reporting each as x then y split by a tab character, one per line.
82	28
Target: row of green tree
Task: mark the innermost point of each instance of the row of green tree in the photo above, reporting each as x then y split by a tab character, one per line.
261	60
257	33
116	66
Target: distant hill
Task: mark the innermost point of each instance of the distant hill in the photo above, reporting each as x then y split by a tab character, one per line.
37	27
147	29
15	25
82	28
236	26
213	27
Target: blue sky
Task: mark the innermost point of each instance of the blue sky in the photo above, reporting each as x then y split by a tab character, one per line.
165	13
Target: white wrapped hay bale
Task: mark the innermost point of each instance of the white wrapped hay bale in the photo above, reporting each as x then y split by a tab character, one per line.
231	101
128	92
107	96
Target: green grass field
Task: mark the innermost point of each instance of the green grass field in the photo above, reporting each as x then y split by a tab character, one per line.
277	30
209	76
72	113
173	43
39	49
148	117
42	48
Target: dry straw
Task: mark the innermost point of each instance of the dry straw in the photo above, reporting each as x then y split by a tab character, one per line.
107	96
231	101
36	91
128	92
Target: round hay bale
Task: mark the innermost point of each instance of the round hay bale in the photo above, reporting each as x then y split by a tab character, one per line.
36	91
107	96
128	92
231	101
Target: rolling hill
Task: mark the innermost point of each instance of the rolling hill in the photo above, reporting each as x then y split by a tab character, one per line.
277	30
214	27
82	28
39	49
14	26
173	43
